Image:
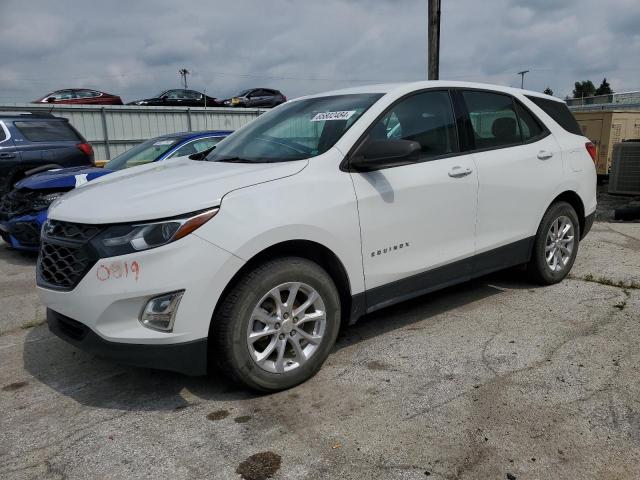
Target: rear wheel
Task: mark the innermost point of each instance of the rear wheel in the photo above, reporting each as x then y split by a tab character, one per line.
278	324
556	244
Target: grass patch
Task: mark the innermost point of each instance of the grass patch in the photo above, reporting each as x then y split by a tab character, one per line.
602	280
32	324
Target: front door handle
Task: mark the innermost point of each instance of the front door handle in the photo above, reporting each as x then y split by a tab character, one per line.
459	172
544	155
7	155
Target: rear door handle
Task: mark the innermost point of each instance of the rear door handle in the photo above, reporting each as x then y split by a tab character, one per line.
459	172
544	155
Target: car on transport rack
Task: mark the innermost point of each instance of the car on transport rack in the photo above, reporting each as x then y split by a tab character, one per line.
24	209
319	211
80	96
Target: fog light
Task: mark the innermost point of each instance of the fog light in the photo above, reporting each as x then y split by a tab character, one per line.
160	311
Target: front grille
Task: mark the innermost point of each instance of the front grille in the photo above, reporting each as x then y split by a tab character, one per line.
16	202
26	201
27	233
65	254
71	231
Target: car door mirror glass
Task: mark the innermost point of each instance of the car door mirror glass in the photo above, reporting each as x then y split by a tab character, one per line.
387	153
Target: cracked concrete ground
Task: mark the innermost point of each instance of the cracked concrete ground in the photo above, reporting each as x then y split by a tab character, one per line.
494	378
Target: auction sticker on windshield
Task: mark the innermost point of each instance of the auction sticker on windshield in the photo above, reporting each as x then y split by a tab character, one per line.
343	115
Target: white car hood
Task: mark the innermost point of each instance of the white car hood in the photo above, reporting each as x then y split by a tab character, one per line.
163	189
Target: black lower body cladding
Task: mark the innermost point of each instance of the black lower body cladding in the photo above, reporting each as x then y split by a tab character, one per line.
189	358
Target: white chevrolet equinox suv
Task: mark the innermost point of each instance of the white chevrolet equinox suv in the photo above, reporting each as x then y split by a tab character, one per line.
319	211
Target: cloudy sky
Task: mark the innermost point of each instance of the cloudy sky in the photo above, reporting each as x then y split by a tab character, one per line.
135	48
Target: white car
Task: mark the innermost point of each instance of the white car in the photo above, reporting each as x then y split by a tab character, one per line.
319	211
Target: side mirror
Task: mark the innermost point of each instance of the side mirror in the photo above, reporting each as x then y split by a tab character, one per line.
378	154
50	99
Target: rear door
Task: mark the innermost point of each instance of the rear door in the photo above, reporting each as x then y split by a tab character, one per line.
9	156
417	220
519	165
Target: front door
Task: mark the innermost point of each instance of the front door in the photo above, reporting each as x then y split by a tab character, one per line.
417	221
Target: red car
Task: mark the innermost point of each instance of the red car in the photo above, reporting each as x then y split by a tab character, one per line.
80	96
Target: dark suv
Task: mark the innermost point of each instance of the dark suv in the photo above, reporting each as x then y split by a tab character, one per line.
31	141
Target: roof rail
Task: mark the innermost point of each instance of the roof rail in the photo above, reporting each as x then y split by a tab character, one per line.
30	114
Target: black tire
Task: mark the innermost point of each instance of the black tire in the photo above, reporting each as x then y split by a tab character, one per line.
538	268
228	337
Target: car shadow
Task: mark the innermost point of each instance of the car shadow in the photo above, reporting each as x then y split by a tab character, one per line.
98	383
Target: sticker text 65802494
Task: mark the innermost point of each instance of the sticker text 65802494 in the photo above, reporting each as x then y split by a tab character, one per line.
118	270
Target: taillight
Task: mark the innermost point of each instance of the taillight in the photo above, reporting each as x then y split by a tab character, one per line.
591	148
86	148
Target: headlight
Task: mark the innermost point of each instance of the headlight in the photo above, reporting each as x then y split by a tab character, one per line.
123	239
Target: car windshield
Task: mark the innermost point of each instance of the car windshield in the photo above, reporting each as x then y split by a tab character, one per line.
160	94
295	130
243	93
146	152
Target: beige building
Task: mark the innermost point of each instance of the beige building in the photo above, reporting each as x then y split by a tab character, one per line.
606	128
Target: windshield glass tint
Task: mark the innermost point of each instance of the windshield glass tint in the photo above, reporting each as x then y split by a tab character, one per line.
146	152
295	130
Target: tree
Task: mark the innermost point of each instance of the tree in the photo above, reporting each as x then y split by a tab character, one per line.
583	89
548	91
604	88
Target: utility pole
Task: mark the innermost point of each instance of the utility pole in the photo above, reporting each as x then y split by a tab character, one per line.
434	40
183	73
522	77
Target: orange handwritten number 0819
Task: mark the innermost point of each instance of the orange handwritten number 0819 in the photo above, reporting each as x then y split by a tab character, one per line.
104	273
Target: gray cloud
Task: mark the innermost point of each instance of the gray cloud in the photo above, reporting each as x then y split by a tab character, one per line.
135	48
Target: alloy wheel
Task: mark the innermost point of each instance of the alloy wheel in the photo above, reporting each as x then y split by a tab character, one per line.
560	243
286	327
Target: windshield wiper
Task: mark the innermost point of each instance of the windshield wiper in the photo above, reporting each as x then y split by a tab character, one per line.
235	160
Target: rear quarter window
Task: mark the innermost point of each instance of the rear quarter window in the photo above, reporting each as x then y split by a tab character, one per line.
43	131
559	112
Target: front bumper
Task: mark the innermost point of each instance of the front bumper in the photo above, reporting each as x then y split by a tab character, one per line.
588	223
189	358
23	232
113	292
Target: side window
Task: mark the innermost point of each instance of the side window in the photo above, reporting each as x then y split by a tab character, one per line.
193	95
493	119
44	131
196	146
3	135
426	118
64	95
174	94
529	126
85	94
559	112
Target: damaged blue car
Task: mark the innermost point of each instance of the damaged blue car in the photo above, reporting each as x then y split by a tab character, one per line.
24	209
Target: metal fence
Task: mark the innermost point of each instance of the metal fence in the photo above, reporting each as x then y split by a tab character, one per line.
113	129
631	107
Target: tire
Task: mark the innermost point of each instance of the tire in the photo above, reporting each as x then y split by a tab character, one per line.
250	299
540	269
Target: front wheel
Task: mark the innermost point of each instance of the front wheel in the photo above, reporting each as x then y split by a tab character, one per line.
556	244
278	324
